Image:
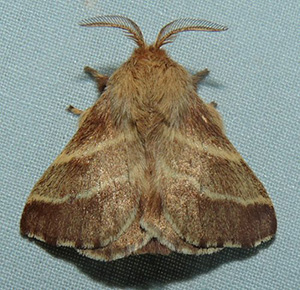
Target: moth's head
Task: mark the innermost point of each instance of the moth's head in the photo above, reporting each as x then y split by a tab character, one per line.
166	34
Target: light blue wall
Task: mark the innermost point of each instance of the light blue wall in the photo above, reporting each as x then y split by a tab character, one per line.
254	79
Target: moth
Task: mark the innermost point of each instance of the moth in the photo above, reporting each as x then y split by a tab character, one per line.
150	169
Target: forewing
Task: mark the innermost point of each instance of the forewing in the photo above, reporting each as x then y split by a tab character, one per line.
210	196
89	196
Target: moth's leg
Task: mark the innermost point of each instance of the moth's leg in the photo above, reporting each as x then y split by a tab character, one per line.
74	110
82	113
199	76
101	82
212	107
100	79
213	104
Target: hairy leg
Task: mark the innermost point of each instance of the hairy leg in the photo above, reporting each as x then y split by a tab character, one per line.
200	76
101	81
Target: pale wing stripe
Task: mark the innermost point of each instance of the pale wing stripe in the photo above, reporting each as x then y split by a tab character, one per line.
215	151
89	150
169	172
216	196
86	194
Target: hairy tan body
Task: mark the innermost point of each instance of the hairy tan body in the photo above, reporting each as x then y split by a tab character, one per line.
150	170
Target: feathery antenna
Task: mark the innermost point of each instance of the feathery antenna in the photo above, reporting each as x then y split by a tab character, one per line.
133	31
169	31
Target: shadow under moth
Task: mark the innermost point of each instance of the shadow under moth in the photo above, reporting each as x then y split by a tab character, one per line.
150	169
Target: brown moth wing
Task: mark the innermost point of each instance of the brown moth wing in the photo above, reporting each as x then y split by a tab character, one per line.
210	196
134	241
157	225
90	194
130	241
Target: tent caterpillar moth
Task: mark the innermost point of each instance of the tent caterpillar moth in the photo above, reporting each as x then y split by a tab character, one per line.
150	169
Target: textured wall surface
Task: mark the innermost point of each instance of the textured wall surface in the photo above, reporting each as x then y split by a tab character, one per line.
254	79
